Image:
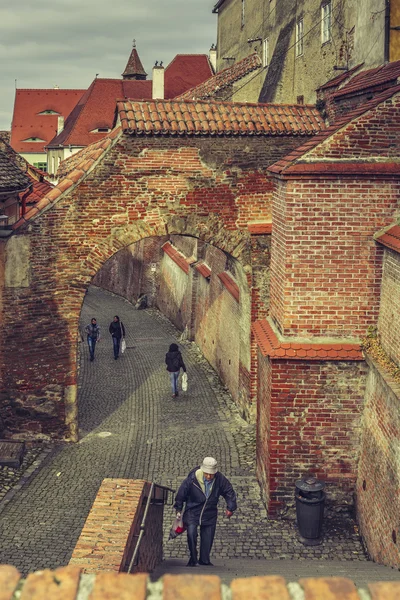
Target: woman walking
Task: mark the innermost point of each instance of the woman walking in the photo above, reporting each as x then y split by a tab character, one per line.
117	331
174	362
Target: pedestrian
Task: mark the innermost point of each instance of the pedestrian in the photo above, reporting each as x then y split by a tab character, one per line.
174	362
93	336
117	331
200	491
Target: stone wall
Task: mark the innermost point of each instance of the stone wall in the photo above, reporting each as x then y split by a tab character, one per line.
378	484
309	423
389	310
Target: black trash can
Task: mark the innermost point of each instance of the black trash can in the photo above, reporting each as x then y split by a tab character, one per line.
310	503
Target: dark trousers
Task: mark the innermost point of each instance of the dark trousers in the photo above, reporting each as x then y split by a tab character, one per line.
207	533
116	343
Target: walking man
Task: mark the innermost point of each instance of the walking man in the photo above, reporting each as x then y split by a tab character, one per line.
117	331
174	362
93	336
200	491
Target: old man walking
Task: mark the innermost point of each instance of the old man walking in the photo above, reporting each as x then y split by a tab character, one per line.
200	491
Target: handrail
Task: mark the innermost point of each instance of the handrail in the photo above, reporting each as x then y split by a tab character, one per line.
133	562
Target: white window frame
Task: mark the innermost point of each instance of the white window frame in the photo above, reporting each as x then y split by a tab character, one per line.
299	37
265	53
326	22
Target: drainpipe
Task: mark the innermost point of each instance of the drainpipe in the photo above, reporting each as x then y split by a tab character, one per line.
387	31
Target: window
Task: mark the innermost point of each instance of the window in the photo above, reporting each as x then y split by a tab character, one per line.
326	22
265	52
101	130
34	139
300	99
48	111
299	37
42	166
243	12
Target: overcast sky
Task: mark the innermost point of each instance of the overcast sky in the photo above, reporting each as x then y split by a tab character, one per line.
44	43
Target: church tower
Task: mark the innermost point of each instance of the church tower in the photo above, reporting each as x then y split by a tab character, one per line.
134	68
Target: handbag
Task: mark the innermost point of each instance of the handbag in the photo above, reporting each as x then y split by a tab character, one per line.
123	345
177	528
184	382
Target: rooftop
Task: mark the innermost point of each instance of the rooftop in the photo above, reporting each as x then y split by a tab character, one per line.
380	77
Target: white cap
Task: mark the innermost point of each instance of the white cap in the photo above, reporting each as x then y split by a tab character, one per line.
209	465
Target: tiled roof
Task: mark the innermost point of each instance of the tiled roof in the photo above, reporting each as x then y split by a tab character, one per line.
218	5
96	109
271	346
223	79
259	228
82	164
373	78
134	66
12	178
390	237
203	269
339	79
163	117
230	285
39	191
176	256
186	71
28	122
288	163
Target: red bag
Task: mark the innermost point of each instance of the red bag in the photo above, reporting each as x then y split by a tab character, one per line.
177	528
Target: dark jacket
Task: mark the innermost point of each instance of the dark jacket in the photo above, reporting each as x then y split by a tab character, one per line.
115	329
199	509
174	361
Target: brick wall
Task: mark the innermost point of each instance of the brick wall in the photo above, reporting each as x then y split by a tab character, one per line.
66	583
389	310
378	487
309	422
111	530
205	188
325	265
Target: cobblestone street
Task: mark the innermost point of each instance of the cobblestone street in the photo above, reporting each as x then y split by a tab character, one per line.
131	427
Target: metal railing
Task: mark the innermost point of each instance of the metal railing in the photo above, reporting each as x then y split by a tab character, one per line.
150	500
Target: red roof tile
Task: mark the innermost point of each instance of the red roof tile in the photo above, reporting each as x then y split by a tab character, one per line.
176	256
203	269
223	79
259	228
162	117
390	237
28	122
271	346
287	164
336	81
379	77
186	71
230	285
96	109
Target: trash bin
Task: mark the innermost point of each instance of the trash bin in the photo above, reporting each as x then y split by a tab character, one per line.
310	503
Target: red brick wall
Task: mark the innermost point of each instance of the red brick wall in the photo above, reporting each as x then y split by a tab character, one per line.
378	487
311	421
111	530
325	266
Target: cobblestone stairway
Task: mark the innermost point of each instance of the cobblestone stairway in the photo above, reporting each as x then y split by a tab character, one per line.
132	427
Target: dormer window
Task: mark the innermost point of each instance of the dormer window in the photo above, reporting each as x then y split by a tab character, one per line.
34	139
48	112
101	130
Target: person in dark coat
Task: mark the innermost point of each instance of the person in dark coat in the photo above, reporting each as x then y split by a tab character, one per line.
117	331
200	491
174	362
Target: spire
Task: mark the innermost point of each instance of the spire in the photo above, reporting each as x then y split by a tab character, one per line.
134	68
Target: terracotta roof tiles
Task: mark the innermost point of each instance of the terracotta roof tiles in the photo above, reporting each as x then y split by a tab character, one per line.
390	237
184	72
178	258
379	77
217	118
203	269
12	178
271	346
230	285
223	79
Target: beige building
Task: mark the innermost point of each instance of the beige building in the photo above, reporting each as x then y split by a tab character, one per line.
304	43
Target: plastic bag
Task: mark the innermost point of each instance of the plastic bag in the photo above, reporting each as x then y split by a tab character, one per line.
177	528
184	382
123	345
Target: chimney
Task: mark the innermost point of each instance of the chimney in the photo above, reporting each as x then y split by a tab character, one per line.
158	81
213	57
60	124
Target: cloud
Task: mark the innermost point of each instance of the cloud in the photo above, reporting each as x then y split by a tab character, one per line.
56	42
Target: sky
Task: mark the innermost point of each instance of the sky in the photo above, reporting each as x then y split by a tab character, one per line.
44	43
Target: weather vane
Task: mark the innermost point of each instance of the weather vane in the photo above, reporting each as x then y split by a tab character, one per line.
134	43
